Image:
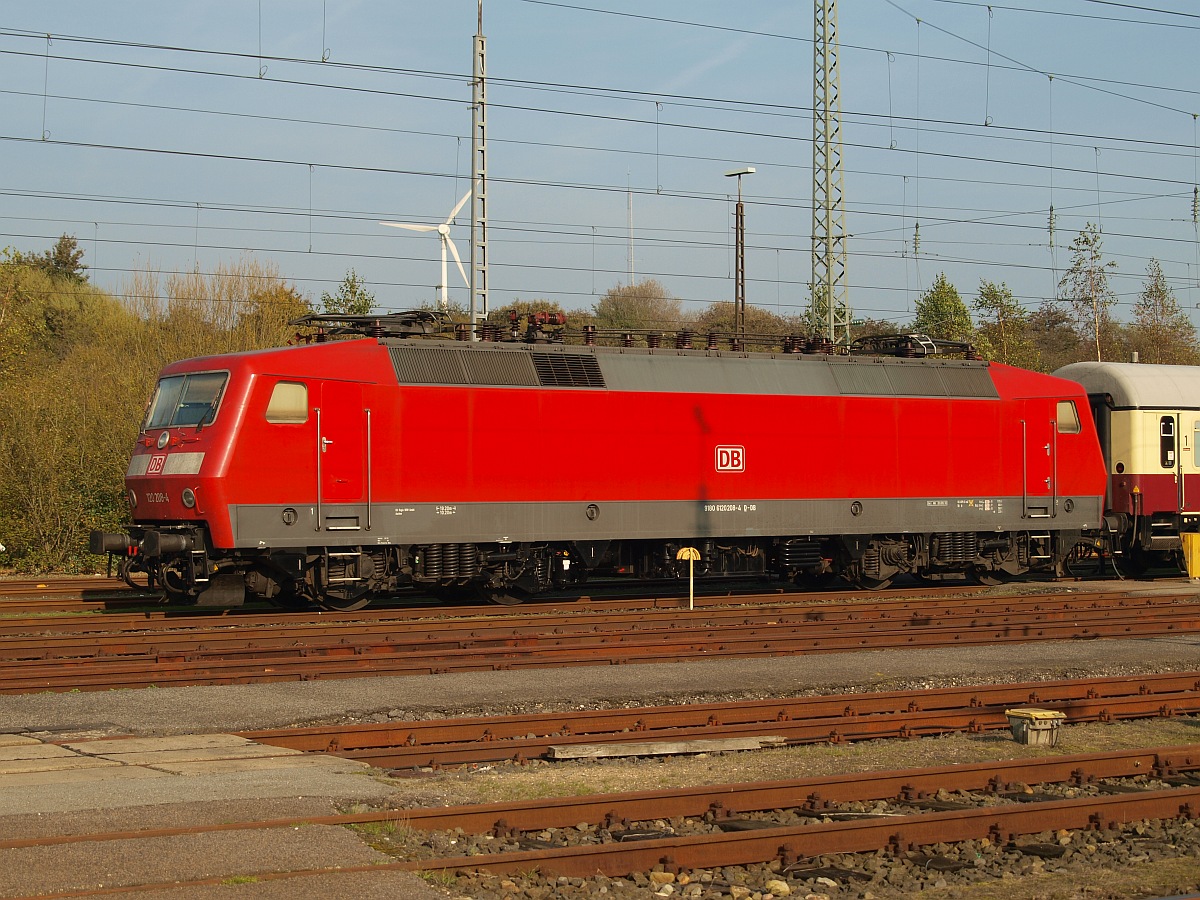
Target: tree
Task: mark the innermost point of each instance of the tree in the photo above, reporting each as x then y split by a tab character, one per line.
64	260
1161	331
1004	324
721	316
1052	334
646	305
352	297
1085	287
941	312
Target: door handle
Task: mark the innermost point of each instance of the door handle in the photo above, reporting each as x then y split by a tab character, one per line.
325	442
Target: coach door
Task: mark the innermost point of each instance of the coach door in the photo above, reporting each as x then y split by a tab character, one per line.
1175	447
341	454
1039	435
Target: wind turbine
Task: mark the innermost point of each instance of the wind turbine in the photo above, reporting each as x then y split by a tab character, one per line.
443	231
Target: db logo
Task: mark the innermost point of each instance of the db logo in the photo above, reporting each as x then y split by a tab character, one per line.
731	458
156	465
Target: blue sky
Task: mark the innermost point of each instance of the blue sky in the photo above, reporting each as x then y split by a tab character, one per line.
181	136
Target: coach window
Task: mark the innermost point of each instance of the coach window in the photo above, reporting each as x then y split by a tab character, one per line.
1166	441
289	403
1068	417
1196	445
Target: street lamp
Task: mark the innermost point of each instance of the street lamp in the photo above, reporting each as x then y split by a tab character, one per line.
739	280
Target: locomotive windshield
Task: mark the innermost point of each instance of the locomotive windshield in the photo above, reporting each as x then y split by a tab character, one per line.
186	400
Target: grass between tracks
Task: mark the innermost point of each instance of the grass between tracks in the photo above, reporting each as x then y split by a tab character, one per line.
1165	878
506	782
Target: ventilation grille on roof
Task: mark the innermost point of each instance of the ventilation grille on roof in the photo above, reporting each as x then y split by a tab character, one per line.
497	368
568	370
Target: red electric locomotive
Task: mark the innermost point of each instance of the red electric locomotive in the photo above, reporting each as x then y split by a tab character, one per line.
343	469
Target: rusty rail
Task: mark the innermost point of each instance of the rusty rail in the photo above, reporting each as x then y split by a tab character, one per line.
796	720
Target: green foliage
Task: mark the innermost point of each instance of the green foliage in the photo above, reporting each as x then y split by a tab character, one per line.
1004	326
941	312
868	327
1085	288
1161	331
63	260
352	297
76	367
1053	334
721	317
647	305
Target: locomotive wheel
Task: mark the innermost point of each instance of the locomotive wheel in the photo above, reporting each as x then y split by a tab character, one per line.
289	598
873	584
1082	562
174	590
344	601
989	577
503	596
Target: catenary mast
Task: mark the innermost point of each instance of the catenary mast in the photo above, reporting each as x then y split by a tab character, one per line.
830	309
479	240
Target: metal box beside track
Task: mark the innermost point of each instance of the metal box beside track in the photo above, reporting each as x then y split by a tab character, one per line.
1034	727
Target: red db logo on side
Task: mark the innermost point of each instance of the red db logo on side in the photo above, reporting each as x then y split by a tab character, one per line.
731	458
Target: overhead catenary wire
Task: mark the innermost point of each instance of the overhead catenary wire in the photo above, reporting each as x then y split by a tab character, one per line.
942	219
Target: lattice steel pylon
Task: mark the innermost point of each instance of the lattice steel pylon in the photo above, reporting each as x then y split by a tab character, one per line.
479	216
830	307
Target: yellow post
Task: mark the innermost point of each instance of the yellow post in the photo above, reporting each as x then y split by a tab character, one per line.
1191	555
691	554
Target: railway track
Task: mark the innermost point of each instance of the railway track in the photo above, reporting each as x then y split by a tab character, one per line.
645	731
59	594
73	594
794	828
128	650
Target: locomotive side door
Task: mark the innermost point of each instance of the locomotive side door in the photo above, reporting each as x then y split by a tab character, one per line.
1039	433
340	442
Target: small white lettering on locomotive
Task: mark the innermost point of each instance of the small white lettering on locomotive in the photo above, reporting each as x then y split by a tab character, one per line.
985	504
730	507
445	510
401	510
731	458
937	503
156	497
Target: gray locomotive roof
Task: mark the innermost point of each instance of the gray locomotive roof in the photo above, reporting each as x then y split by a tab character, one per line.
1138	386
684	371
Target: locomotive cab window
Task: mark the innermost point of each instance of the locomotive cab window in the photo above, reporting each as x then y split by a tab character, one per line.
1166	441
289	403
186	400
1068	417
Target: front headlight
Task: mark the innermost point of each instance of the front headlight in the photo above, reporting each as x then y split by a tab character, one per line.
132	496
189	498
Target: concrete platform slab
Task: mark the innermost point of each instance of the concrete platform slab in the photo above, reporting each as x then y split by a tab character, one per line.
115	746
36	750
58	765
16	740
101	773
332	764
199	754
